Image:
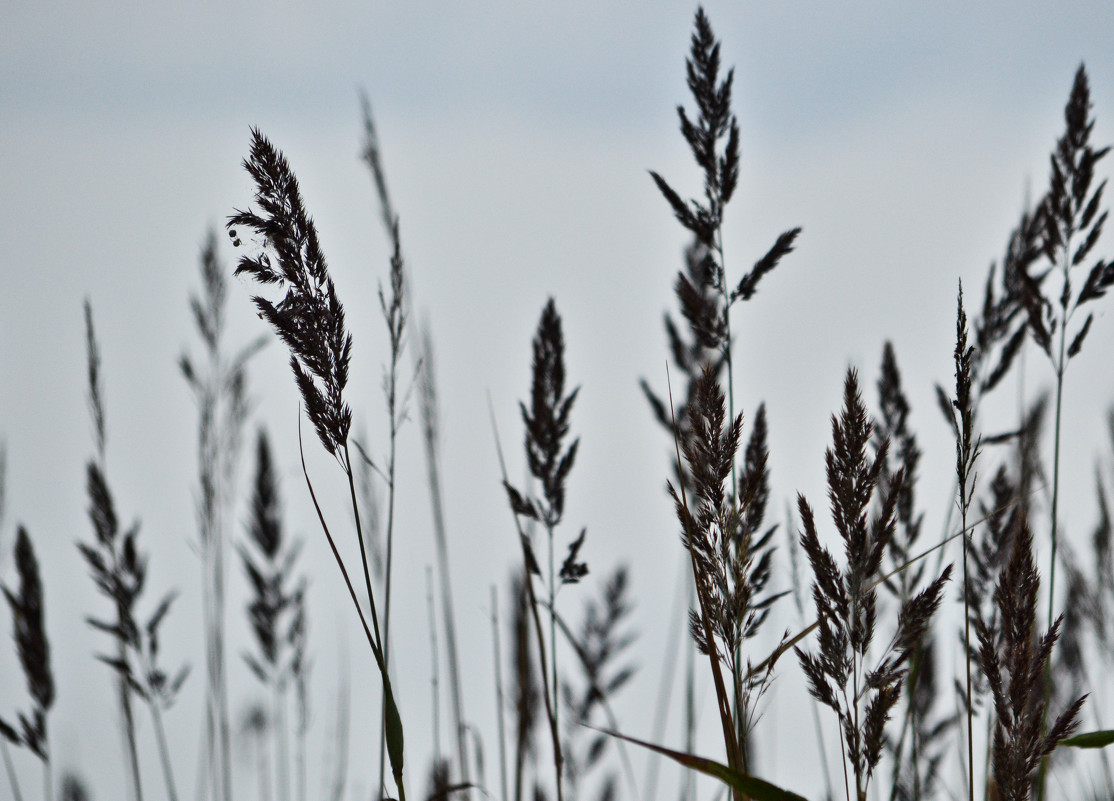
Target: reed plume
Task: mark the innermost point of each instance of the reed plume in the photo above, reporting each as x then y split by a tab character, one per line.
310	321
846	599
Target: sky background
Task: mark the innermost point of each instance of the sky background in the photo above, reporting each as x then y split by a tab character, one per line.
903	138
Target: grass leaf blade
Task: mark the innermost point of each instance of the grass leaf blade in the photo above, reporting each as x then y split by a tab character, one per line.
756	789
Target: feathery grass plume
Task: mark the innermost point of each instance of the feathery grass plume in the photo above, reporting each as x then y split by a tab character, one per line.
892	426
703	291
1014	668
119	569
599	645
797	588
966	453
550	461
277	609
219	386
917	773
920	746
372	155
1073	223
709	317
1002	505
1001	324
33	648
698	299
309	319
730	557
988	556
846	600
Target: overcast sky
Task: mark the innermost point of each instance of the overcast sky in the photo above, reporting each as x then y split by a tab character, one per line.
903	138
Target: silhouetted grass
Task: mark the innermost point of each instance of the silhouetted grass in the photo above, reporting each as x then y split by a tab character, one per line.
866	655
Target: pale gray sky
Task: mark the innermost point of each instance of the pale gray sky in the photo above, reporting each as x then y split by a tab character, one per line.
516	138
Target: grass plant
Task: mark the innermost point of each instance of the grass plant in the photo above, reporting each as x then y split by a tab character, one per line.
871	646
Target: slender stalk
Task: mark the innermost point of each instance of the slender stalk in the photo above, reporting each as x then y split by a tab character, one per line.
278	731
434	679
9	768
553	631
558	758
967	662
377	642
843	753
264	766
690	697
129	720
499	704
428	407
661	707
1056	477
48	781
386	642
373	640
395	317
300	741
164	753
730	743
